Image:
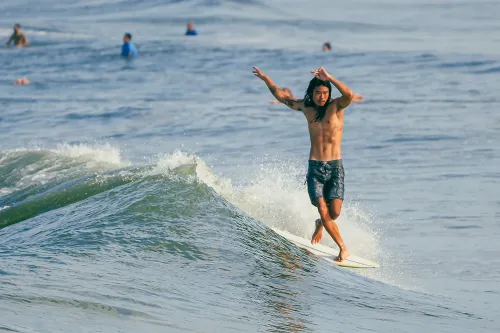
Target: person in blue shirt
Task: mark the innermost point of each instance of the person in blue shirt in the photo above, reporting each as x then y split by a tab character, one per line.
128	48
191	31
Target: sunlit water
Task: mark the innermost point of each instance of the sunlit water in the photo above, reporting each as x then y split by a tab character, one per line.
139	196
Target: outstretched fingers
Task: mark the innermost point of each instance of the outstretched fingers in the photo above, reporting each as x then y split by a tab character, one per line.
257	72
317	72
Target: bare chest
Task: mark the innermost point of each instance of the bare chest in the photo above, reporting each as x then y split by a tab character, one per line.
332	122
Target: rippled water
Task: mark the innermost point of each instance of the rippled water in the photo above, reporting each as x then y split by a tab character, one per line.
139	195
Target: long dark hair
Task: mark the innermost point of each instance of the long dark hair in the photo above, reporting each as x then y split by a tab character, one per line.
308	101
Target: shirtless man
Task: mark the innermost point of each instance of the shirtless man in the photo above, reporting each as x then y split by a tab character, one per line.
325	118
18	37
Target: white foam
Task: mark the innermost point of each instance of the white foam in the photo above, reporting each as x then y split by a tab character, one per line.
167	163
59	163
98	153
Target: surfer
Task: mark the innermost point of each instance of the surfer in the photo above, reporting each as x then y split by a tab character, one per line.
22	81
325	118
191	31
327	47
128	48
18	37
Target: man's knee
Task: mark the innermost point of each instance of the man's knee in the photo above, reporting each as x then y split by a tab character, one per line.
334	209
334	213
322	207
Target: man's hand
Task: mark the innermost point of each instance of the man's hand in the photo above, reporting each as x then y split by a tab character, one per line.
347	95
357	98
280	95
257	72
322	74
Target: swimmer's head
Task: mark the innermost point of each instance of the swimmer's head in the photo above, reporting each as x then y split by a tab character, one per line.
22	81
190	26
318	95
327	47
127	38
17	26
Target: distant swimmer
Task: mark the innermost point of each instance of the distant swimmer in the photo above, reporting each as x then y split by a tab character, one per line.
22	81
327	47
191	31
128	48
18	37
325	118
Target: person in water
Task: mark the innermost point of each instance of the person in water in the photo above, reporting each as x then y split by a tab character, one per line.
128	48
18	37
191	31
22	81
325	118
327	47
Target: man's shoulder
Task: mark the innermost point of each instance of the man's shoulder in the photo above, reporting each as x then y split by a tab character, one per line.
308	110
333	101
334	104
295	103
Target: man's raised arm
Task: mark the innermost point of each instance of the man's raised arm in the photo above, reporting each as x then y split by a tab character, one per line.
280	95
347	94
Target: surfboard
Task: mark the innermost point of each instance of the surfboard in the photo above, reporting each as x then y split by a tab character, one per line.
327	252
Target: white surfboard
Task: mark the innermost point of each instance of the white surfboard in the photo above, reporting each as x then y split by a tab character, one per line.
327	252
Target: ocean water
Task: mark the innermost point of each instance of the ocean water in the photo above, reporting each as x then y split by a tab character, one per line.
139	196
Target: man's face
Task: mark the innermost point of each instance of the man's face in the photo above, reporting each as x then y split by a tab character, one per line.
125	39
320	95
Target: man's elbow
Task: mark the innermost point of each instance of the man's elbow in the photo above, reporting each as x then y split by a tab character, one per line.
348	95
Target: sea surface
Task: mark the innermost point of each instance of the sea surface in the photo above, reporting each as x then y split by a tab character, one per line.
140	195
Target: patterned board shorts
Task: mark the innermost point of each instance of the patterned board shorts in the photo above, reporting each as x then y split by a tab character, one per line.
325	180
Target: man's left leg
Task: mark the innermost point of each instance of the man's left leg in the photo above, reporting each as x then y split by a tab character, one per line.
334	208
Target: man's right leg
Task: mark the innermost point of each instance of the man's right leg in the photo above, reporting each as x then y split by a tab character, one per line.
325	216
315	187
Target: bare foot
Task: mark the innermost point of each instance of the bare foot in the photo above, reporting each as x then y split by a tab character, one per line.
318	233
343	254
